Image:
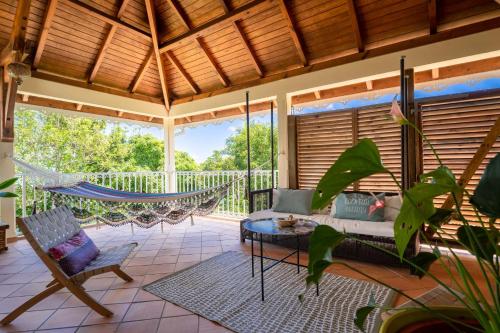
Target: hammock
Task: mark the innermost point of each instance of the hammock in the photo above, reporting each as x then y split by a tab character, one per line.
90	202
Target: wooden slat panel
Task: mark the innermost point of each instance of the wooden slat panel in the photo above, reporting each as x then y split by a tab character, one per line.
457	130
321	138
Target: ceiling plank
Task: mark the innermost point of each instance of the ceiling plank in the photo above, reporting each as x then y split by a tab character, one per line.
355	25
177	65
106	43
249	9
224	6
50	10
110	19
222	77
251	54
179	12
432	7
150	8
142	70
297	41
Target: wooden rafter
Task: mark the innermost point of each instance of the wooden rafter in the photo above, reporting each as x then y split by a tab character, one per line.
297	41
213	114
15	46
224	6
222	77
435	73
317	94
179	12
251	54
46	24
369	85
432	8
242	109
141	72
110	19
79	107
150	8
249	9
106	43
355	25
177	65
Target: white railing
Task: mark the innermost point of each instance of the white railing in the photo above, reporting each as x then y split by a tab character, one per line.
235	204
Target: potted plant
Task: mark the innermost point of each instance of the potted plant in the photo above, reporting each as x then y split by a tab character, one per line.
480	309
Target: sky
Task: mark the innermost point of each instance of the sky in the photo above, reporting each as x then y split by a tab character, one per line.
201	140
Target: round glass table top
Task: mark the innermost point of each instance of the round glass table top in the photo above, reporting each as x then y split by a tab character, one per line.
270	227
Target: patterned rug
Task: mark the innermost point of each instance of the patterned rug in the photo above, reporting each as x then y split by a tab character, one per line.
222	289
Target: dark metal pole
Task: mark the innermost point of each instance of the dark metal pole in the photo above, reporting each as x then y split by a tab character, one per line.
272	145
249	175
261	268
404	129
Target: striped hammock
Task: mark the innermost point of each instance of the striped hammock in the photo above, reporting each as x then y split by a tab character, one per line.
91	202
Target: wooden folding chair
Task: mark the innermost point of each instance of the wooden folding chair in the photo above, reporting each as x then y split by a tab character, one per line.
47	229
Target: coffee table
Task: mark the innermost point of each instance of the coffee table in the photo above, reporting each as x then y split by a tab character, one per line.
270	227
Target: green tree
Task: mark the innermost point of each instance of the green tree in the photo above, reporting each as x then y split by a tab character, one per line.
147	152
184	162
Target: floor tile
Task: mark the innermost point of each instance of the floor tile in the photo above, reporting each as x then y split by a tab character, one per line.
27	321
119	296
144	310
66	318
118	310
145	326
182	324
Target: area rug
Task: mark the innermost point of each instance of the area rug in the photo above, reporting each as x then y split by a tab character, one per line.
222	289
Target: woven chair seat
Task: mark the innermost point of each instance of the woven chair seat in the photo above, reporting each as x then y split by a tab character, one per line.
113	256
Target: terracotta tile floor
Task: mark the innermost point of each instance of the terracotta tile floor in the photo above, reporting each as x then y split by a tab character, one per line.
158	254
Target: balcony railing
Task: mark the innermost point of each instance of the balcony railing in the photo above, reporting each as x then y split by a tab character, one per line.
235	204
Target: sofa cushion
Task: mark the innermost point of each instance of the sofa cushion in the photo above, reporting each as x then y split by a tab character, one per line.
294	201
74	254
382	229
359	206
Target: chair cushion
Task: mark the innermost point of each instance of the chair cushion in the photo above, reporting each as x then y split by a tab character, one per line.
359	206
294	201
74	254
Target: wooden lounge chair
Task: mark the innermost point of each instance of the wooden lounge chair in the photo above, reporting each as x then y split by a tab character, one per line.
47	229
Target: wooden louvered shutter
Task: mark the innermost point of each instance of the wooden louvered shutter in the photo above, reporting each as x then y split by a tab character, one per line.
457	129
321	138
374	124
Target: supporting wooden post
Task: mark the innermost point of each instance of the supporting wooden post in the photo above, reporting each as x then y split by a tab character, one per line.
355	134
284	104
169	146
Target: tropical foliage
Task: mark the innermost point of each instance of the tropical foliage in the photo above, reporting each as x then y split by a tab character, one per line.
5	184
418	210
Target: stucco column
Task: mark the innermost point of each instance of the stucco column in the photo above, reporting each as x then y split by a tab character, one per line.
169	144
7	170
284	106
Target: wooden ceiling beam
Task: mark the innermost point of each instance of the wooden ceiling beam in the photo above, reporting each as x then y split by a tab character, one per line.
177	65
246	44
142	70
150	9
249	9
224	6
432	9
106	43
297	41
110	19
15	46
179	12
50	10
222	77
435	73
355	25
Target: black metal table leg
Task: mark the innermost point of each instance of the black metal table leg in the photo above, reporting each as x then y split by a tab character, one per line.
251	239
261	268
298	254
317	289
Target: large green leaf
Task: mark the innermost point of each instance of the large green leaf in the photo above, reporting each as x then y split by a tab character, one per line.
440	217
423	260
321	244
417	208
7	183
357	162
361	315
486	197
7	195
478	241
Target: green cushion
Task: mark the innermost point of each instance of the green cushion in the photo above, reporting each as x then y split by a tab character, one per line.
294	201
355	206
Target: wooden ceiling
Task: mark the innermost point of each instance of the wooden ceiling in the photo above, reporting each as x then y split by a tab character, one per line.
206	47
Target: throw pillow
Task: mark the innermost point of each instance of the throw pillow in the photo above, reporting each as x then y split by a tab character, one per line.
359	206
75	253
294	201
392	207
